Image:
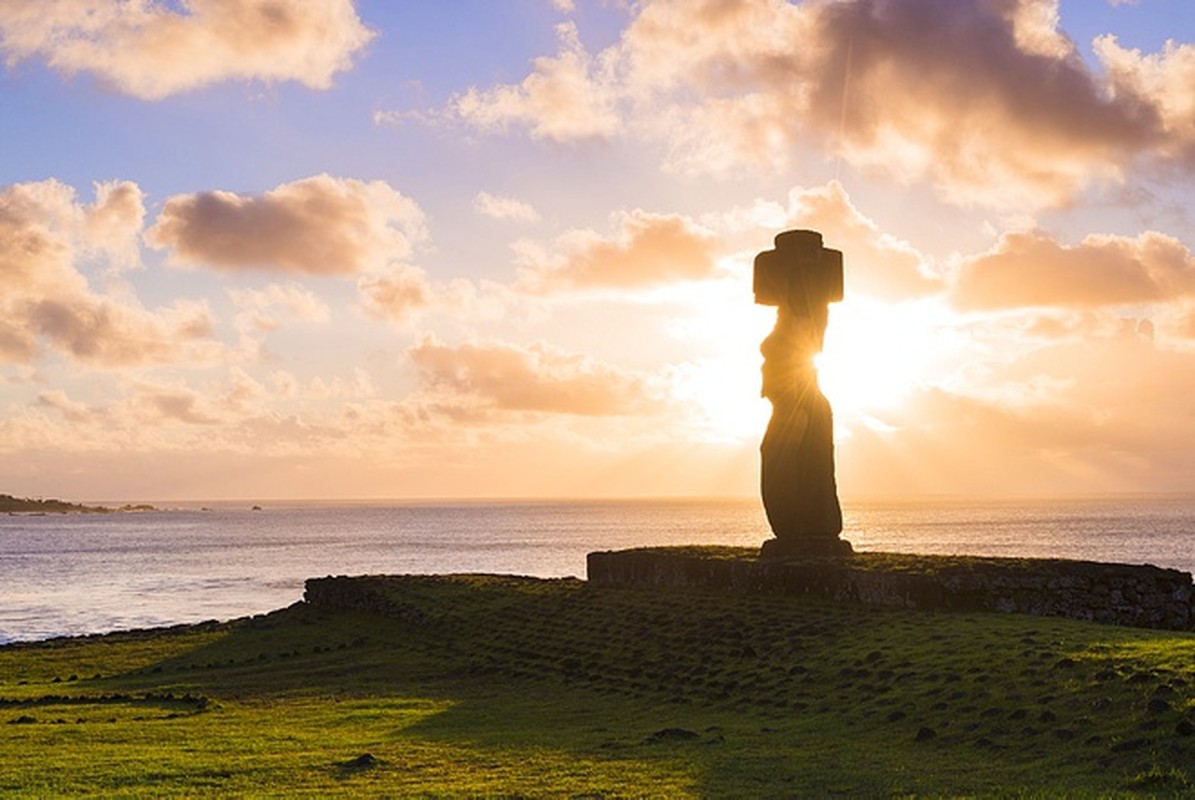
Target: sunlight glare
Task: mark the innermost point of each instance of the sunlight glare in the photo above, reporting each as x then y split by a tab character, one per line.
877	354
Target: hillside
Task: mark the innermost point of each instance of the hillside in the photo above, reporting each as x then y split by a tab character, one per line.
24	505
503	686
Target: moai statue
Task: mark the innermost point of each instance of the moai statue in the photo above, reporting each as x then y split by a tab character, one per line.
800	496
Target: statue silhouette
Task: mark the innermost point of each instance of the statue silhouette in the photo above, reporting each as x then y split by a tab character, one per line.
800	496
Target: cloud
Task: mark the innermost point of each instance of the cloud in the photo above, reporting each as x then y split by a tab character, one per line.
1051	401
396	294
174	405
504	208
114	222
102	332
259	308
1078	432
46	236
151	50
71	410
315	226
876	263
986	99
1179	321
980	97
475	379
130	416
34	250
646	250
43	230
17	344
1164	82
561	99
1032	269
1074	323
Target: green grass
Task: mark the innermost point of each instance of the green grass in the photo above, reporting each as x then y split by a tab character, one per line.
507	687
870	561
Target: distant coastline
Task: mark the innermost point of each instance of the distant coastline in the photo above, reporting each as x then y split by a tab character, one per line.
24	505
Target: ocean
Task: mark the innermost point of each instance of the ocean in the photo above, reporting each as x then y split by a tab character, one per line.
76	574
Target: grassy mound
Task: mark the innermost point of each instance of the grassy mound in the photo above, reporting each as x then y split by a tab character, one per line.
497	686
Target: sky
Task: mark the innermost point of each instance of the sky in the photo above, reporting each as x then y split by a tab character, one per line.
368	250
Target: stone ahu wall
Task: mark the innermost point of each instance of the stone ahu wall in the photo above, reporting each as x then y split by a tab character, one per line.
1141	596
367	593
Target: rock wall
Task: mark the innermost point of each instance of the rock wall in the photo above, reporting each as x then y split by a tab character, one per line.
1140	596
359	594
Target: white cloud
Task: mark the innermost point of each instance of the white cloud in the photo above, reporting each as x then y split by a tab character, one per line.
645	250
114	222
151	50
71	410
396	294
46	237
317	226
988	101
561	99
261	309
1163	82
500	207
1030	268
876	263
474	380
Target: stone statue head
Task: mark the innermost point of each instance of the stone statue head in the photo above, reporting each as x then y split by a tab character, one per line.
799	274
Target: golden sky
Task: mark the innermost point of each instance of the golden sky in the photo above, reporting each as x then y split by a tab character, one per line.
375	249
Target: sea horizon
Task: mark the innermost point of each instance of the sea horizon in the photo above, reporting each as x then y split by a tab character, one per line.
846	499
70	574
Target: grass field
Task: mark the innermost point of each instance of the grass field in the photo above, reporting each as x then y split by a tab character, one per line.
480	686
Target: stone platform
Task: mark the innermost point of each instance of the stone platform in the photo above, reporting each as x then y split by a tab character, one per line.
1141	596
